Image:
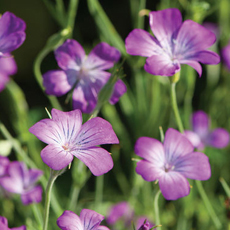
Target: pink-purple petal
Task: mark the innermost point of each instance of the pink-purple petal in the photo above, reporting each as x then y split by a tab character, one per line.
69	221
90	219
19	228
4	79
194	166
33	195
200	123
218	138
56	157
173	185
32	176
226	55
8	64
161	64
102	57
118	90
139	42
96	131
56	82
165	25
193	138
149	171
98	160
70	55
176	145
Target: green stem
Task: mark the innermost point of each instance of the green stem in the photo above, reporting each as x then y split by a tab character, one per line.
225	186
72	11
175	107
208	205
37	215
99	191
52	178
74	197
156	208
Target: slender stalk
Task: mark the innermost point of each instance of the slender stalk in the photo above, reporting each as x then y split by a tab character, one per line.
37	215
225	186
52	178
99	191
175	107
74	197
208	205
156	208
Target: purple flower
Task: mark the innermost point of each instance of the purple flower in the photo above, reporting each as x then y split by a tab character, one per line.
226	55
174	43
4	162
4	225
119	89
12	33
7	67
85	74
121	210
143	223
171	163
88	220
201	136
145	226
22	181
67	137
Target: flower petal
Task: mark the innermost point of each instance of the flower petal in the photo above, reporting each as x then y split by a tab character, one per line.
165	25
148	170
8	64
176	145
102	57
19	228
70	55
173	185
90	219
32	175
193	138
192	38
55	157
200	123
218	138
69	220
4	79
194	64
96	131
206	57
34	195
194	166
98	160
118	90
226	55
57	82
161	65
139	42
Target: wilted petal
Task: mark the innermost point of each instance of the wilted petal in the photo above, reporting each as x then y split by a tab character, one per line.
69	220
56	157
200	123
103	56
165	24
119	89
149	171
192	38
70	55
194	166
34	195
161	64
140	42
96	131
218	138
173	185
90	219
98	160
56	82
176	145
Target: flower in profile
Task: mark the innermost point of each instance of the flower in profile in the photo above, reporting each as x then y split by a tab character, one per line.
86	75
120	211
202	136
226	55
88	220
171	163
144	226
67	137
7	67
22	181
175	43
4	225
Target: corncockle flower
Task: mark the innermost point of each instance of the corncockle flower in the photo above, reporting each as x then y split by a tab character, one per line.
145	226
4	225
174	43
7	67
143	222
86	75
22	181
119	89
67	137
88	220
4	162
226	55
171	163
202	136
123	211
